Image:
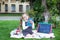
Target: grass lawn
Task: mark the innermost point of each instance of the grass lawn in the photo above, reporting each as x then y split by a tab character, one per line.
7	26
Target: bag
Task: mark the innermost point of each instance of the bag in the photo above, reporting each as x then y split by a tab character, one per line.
44	28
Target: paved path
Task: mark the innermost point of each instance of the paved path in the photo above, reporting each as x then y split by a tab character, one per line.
9	17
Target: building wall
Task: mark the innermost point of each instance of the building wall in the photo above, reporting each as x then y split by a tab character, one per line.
16	7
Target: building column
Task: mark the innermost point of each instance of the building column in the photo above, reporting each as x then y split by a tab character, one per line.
9	6
17	7
24	8
2	8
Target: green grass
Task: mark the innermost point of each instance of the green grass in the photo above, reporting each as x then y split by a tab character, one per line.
7	26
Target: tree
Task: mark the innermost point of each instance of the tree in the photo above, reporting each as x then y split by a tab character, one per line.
46	12
46	8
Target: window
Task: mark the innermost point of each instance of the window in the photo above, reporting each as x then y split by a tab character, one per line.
6	7
27	7
27	0
22	0
17	0
13	7
0	6
20	8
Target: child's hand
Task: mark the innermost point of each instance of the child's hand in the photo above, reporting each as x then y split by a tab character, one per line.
31	21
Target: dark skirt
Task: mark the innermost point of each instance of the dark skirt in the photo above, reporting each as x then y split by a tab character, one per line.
27	31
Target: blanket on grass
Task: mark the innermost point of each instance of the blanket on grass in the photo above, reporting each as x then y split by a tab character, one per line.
36	34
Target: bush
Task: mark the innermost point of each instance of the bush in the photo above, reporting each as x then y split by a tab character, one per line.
53	21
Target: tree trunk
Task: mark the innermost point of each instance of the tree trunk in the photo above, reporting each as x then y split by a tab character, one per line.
46	12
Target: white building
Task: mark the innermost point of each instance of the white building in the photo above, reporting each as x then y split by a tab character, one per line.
14	6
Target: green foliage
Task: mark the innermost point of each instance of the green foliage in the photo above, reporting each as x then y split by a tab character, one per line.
37	5
53	11
53	21
51	3
58	6
37	11
32	13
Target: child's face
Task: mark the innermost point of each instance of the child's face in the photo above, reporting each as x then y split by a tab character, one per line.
25	17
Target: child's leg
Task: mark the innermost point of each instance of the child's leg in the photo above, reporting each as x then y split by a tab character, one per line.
30	30
24	32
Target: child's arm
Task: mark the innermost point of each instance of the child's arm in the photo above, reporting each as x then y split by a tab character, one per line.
23	25
32	24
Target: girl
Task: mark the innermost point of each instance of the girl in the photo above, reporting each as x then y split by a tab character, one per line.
27	25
